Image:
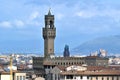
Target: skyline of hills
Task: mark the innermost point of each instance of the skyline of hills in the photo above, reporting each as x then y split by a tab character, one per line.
111	44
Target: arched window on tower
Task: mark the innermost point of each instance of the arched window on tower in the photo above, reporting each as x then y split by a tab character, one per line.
51	24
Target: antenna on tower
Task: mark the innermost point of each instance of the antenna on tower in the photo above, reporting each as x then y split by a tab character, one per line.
49	12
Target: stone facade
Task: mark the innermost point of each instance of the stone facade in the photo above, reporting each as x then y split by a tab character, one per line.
49	33
96	61
64	61
40	64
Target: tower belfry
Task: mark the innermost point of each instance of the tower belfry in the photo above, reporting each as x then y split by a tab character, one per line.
49	34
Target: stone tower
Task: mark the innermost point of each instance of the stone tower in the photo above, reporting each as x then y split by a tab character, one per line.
49	34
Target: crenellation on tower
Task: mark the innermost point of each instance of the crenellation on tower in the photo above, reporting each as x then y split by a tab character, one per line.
49	33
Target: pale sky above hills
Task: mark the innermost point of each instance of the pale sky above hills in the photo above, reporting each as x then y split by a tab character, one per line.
77	21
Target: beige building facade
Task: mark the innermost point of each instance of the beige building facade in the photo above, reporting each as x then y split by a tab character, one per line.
19	76
5	76
15	76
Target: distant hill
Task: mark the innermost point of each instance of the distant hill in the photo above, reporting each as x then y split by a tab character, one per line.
111	44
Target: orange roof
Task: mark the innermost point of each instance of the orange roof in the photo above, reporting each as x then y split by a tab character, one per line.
90	73
47	63
94	70
61	68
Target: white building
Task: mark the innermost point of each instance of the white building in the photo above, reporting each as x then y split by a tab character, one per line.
19	76
5	76
15	76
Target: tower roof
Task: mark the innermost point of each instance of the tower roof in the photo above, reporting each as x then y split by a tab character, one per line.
49	12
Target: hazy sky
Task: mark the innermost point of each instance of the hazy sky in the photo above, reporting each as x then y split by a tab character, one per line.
77	21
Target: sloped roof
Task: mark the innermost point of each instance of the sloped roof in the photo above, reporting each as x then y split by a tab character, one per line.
91	73
94	70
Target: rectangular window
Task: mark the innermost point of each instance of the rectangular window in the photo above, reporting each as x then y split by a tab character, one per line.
96	78
69	77
112	77
87	77
17	77
81	77
55	76
23	77
20	77
108	78
117	77
102	78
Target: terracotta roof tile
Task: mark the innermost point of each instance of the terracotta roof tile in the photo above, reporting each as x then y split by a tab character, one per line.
90	73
